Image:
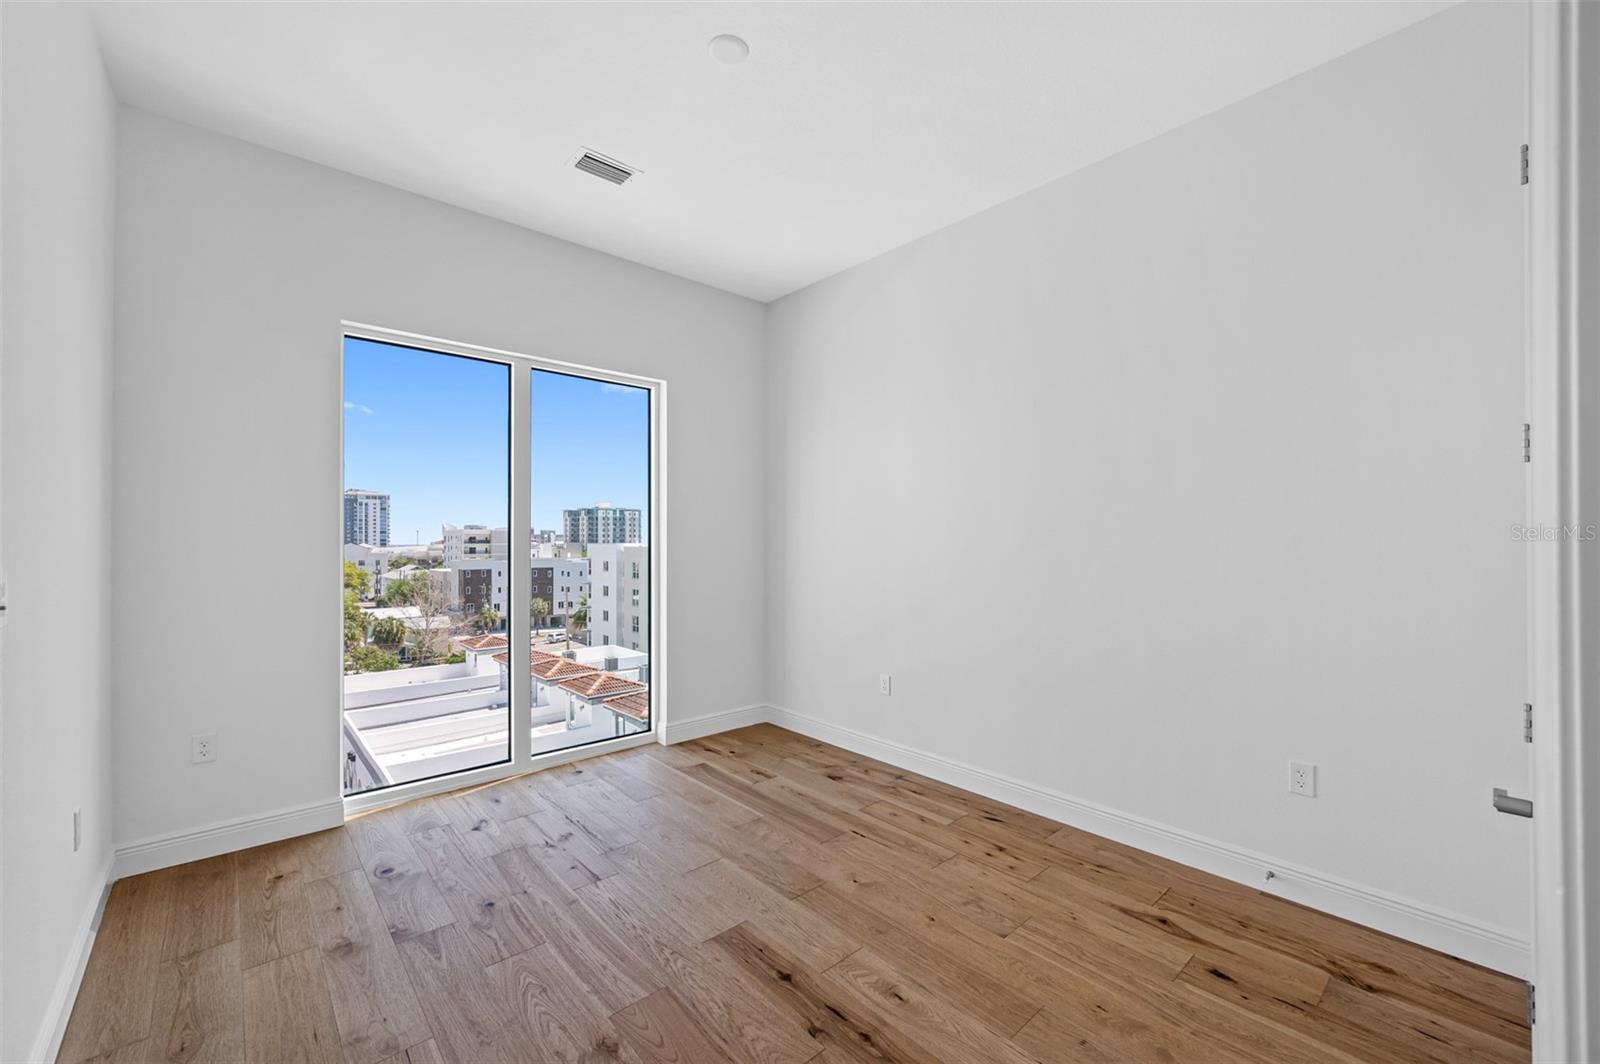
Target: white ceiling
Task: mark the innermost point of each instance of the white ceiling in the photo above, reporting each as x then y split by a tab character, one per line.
851	129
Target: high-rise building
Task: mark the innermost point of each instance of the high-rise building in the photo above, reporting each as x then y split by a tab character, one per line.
603	523
366	517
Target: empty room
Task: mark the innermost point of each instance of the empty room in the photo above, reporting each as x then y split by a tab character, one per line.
800	533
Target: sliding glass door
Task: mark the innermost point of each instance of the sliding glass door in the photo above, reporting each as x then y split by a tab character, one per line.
589	663
427	500
497	568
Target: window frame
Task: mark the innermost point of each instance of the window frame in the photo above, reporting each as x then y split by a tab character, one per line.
522	759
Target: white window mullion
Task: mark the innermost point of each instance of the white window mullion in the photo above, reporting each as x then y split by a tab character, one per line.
520	568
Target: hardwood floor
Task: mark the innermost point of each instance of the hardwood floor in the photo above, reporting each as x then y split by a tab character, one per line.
756	897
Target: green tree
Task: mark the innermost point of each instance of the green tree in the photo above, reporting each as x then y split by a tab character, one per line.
355	622
538	610
401	592
356	579
388	632
486	619
372	659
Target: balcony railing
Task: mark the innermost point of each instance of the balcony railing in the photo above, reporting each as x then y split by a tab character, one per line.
417	723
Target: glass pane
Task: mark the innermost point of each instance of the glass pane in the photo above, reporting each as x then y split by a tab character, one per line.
427	453
590	598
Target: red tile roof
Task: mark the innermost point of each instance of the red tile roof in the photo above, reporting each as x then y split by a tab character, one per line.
549	666
636	706
584	680
558	669
602	685
483	642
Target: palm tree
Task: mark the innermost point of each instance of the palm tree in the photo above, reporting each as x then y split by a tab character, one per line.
538	610
389	632
400	592
578	619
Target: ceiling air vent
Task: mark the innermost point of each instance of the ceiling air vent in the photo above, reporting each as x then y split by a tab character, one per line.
598	165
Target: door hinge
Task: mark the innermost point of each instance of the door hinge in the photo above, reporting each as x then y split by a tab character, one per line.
1524	164
1530	1004
1527	722
1527	442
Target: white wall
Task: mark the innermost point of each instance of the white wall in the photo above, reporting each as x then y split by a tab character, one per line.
1253	392
235	266
55	438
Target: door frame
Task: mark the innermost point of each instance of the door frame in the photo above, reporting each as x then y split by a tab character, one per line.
1564	493
519	577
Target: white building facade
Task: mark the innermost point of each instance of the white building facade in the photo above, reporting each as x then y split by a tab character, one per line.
619	595
374	561
562	583
475	543
379	562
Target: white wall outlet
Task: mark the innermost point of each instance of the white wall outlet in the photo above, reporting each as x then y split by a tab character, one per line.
883	683
202	748
77	830
1303	778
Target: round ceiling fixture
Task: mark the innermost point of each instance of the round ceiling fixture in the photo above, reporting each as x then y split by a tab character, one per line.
726	48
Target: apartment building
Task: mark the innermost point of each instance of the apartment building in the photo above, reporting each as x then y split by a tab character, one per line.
480	583
474	543
561	583
366	517
374	561
603	523
619	595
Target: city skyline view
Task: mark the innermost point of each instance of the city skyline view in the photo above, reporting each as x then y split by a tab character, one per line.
413	432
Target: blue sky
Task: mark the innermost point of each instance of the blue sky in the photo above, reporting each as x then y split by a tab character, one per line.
433	431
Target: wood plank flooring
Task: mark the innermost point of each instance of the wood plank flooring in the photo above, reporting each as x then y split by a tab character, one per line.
755	897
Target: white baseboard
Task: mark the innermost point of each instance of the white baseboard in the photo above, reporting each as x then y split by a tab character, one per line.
1427	925
180	847
677	731
163	851
1460	936
54	1025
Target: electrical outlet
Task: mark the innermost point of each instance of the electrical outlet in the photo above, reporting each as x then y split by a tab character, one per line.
203	748
883	683
1303	778
77	830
